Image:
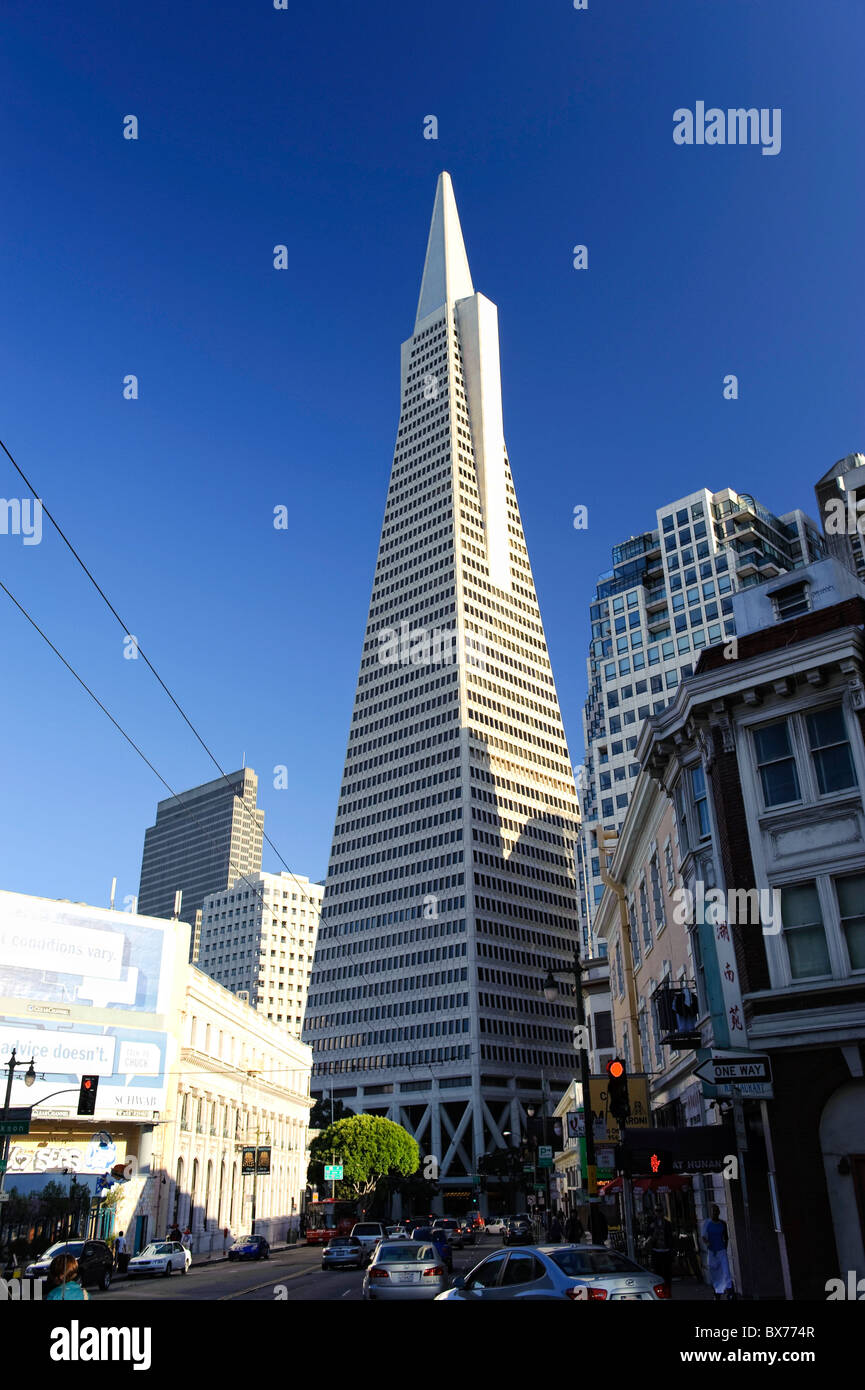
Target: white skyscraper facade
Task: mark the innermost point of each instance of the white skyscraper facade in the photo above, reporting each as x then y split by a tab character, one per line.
668	595
451	888
258	940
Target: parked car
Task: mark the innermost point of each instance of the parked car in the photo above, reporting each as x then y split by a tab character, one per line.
495	1225
95	1261
249	1248
402	1271
440	1238
369	1233
577	1273
343	1252
452	1228
161	1257
517	1231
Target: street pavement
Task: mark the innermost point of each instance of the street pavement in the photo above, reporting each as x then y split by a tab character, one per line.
294	1274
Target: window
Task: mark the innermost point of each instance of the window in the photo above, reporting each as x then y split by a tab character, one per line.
701	801
521	1268
804	933
776	764
850	892
830	750
791	601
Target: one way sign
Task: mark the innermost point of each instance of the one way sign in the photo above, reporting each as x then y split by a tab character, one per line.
729	1071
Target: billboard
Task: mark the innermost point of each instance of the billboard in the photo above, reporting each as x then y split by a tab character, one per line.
88	991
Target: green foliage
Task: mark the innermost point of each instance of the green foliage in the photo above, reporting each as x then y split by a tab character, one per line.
368	1147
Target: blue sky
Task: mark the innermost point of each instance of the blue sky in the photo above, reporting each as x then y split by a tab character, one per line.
260	388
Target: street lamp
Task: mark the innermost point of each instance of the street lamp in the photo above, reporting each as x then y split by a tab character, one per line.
6	1139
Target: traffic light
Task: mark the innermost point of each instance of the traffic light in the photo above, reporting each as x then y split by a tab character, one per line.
618	1103
87	1095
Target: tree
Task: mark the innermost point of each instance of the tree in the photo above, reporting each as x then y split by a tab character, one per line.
320	1116
368	1147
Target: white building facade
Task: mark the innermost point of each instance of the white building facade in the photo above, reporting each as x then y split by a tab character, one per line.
452	886
241	1082
258	940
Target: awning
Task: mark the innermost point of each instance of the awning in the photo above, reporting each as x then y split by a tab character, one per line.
676	1182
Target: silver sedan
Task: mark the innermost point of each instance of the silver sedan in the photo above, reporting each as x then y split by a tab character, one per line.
578	1273
404	1270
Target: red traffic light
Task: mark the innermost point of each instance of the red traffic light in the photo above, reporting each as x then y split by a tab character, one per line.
655	1163
615	1069
87	1084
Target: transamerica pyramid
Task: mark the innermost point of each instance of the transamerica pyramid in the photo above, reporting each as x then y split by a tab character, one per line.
452	883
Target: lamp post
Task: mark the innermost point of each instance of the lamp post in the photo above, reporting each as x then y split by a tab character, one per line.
551	993
29	1078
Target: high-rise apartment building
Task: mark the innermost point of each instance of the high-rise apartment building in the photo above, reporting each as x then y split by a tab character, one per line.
258	940
667	596
202	841
452	887
841	500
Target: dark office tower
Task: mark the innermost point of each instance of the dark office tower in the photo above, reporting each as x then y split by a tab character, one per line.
202	841
452	885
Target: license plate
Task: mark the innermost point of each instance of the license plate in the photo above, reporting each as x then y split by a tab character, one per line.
403	1278
631	1296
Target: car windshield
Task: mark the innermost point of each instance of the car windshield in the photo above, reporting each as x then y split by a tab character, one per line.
401	1252
367	1231
64	1247
246	1240
577	1262
157	1250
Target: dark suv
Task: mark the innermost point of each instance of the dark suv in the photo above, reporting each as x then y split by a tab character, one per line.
95	1261
518	1231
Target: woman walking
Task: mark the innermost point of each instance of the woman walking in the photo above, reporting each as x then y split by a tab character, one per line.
715	1239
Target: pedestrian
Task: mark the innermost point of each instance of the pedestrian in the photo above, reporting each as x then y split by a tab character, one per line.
662	1249
174	1233
186	1239
554	1233
574	1229
715	1239
121	1254
64	1280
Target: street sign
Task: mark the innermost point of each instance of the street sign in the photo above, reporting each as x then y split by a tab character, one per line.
528	1168
545	1156
17	1121
333	1172
4	1196
718	1070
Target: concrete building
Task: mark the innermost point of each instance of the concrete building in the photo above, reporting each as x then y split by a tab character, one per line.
762	753
202	841
668	596
841	503
258	940
242	1082
452	884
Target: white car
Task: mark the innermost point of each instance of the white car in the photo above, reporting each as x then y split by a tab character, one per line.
161	1257
495	1225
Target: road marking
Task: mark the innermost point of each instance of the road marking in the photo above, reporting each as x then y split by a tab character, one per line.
271	1283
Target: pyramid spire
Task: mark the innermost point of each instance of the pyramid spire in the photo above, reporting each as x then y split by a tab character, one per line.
446	274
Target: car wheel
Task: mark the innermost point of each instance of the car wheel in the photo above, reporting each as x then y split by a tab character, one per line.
167	1271
106	1280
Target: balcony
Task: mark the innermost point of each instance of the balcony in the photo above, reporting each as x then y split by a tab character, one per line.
677	1012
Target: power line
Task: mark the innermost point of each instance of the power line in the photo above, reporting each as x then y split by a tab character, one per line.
241	878
126	630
